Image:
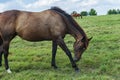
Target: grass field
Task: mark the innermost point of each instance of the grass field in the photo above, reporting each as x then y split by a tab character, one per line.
101	61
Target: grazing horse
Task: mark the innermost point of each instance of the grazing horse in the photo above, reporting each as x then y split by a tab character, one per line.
51	25
76	15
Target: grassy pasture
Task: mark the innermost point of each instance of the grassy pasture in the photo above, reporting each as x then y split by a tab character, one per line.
101	61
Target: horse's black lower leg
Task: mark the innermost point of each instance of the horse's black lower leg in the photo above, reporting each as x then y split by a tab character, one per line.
54	49
1	59
62	44
6	48
1	50
6	60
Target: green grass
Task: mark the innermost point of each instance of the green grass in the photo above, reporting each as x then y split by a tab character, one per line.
101	61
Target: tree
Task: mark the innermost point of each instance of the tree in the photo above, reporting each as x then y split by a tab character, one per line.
92	12
118	11
110	12
113	11
74	12
84	13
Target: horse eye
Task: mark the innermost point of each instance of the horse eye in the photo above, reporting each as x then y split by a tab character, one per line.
80	48
83	48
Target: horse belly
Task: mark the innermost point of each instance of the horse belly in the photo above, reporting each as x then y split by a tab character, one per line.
35	36
40	35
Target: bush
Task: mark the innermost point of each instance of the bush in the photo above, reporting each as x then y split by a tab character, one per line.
92	12
84	13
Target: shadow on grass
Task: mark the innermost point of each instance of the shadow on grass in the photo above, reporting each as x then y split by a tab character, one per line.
41	66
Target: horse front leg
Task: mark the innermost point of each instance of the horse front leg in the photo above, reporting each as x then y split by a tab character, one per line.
62	44
54	49
6	52
1	58
1	50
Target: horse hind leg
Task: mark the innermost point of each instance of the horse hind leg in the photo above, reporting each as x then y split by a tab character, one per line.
6	42
1	57
6	52
1	50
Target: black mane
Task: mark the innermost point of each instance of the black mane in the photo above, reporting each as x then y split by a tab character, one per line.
60	11
72	21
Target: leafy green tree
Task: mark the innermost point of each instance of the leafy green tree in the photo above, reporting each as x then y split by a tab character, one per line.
114	11
84	13
92	12
74	12
118	11
110	12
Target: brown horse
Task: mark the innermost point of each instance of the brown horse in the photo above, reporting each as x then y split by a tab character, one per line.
76	15
52	24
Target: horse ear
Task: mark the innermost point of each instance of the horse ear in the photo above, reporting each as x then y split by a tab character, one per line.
90	38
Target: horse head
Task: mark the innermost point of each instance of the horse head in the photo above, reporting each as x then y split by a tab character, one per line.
79	47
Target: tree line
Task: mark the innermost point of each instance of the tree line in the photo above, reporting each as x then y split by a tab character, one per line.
93	12
113	11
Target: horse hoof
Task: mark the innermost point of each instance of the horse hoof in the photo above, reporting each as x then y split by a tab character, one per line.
55	67
77	70
9	71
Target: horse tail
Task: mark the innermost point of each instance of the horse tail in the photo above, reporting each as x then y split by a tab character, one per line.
70	19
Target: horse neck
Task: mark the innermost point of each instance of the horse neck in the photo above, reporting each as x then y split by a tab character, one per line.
79	34
76	34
